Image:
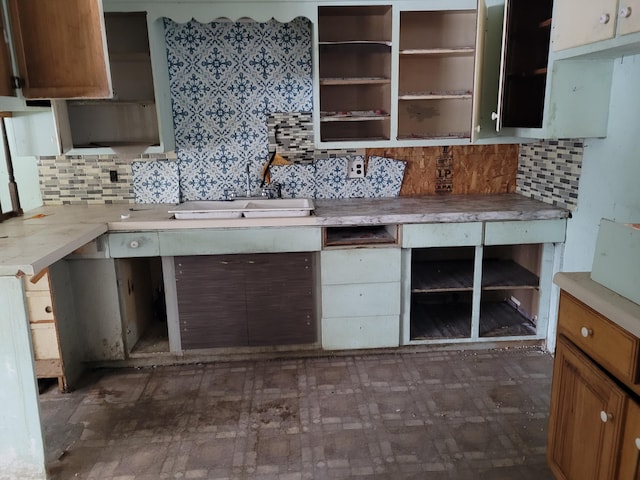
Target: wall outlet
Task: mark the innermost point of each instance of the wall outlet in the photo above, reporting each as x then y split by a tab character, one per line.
356	168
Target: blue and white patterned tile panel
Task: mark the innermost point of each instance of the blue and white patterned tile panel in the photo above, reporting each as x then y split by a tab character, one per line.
331	177
225	79
155	181
297	181
384	177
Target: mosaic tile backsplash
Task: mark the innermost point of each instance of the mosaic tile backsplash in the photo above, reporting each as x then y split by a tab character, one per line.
87	179
549	171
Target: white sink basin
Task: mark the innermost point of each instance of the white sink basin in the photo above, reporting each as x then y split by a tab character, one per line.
250	208
278	207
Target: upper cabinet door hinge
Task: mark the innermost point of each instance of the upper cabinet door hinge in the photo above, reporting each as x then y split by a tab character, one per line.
17	82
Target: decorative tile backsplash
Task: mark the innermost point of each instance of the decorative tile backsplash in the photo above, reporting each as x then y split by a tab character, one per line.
156	181
549	171
226	78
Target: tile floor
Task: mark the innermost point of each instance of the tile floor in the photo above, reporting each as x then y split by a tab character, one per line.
428	415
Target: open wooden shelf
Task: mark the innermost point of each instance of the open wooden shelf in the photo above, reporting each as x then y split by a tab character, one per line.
355	81
442	276
506	274
438	51
360	235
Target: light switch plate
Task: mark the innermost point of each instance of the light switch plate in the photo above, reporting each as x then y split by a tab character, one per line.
356	168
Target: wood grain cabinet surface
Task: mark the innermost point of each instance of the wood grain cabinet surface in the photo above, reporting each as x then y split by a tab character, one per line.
594	420
245	300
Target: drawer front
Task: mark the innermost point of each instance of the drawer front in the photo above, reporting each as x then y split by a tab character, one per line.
45	341
524	231
605	342
362	265
141	244
40	306
426	235
240	240
359	300
360	332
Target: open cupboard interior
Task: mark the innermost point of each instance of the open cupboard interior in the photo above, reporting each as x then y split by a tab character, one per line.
474	292
420	89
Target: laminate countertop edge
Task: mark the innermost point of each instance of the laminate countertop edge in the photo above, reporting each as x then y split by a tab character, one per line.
606	302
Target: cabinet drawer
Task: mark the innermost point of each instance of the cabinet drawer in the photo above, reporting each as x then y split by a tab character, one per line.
40	306
441	235
524	231
360	332
608	344
45	340
359	300
140	244
372	265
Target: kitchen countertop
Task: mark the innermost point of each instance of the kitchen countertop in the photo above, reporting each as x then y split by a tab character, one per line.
608	303
46	234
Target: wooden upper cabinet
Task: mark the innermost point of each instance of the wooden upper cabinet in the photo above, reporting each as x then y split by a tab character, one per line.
60	48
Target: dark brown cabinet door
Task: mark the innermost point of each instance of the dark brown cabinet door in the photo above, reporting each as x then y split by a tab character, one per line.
60	48
280	301
245	300
211	301
585	419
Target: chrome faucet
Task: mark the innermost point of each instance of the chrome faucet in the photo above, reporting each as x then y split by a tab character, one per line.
272	190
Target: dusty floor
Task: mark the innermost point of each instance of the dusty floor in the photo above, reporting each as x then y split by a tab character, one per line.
430	415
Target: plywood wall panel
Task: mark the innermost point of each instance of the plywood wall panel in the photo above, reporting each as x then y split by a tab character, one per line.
473	169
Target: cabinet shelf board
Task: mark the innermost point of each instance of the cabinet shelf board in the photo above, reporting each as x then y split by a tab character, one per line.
384	43
369	235
506	274
111	103
440	320
500	319
354	139
352	116
438	51
355	81
426	136
441	276
434	96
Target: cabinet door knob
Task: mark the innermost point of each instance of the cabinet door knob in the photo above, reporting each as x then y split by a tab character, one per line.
624	12
494	116
606	416
604	18
586	332
48	309
638	443
134	244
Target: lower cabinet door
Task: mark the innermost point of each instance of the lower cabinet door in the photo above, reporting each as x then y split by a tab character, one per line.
630	447
211	301
585	420
245	300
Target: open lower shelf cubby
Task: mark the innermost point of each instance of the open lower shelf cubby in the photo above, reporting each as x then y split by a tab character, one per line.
474	292
360	235
142	305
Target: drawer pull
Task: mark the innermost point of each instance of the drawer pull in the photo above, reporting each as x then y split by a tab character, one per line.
586	332
48	309
625	12
604	18
134	244
638	443
605	416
